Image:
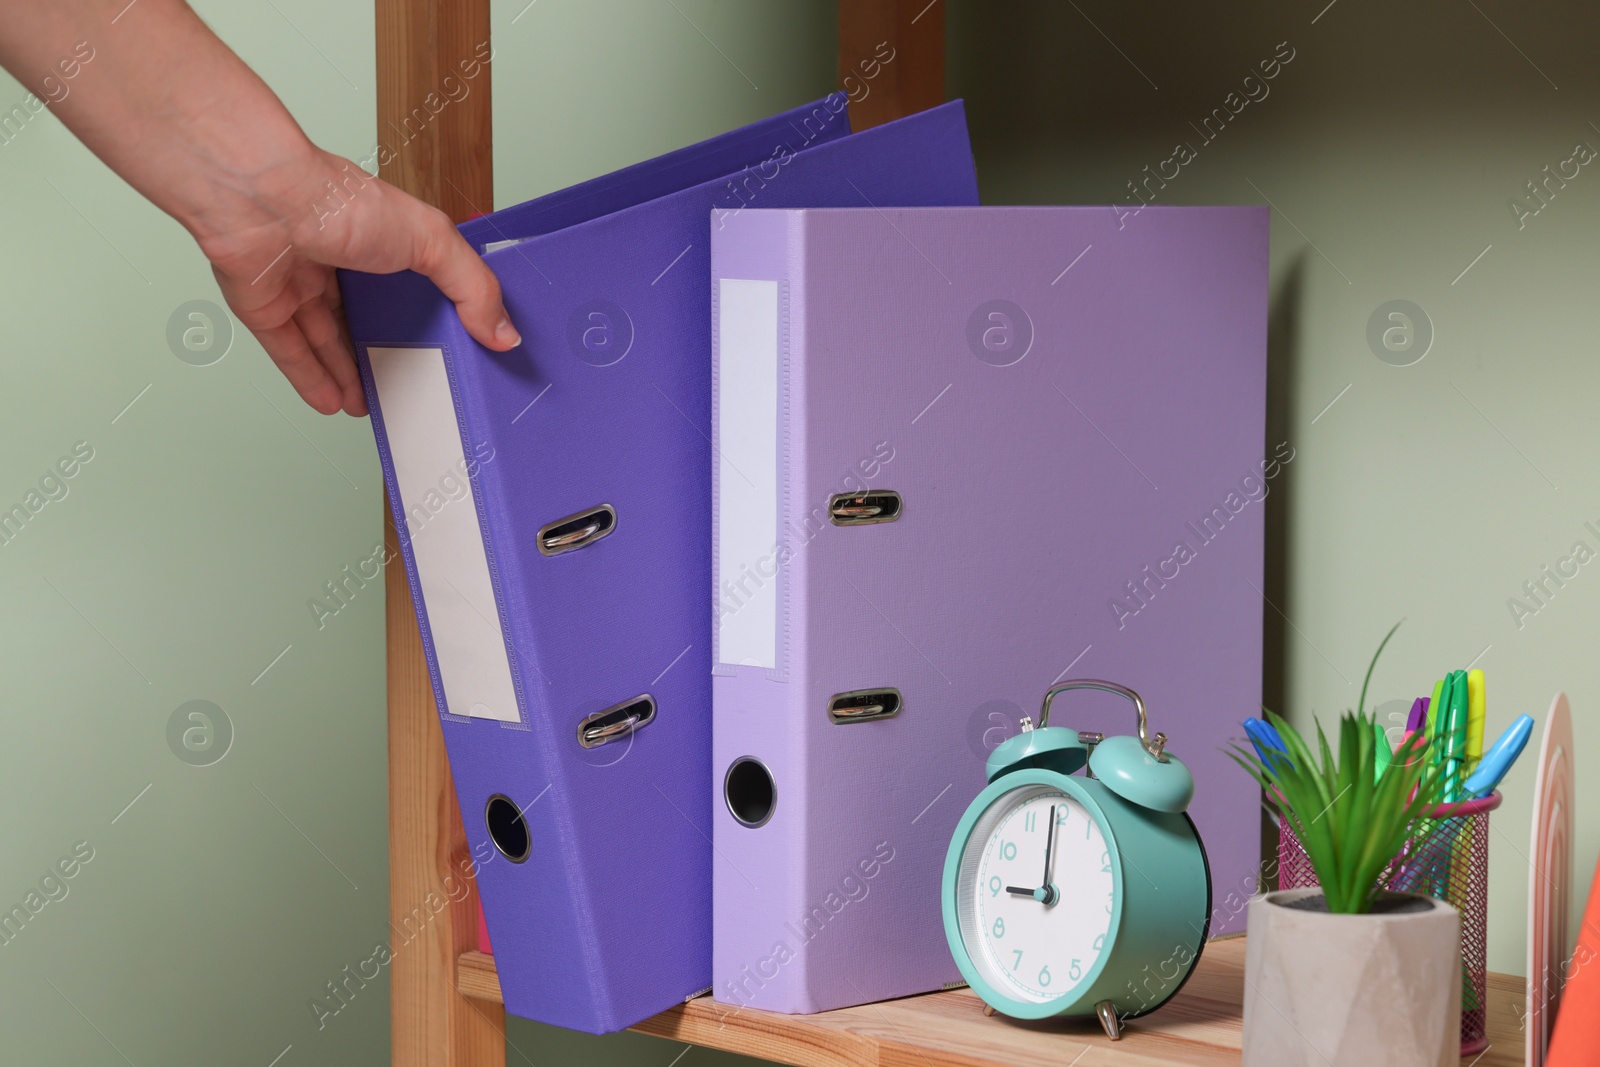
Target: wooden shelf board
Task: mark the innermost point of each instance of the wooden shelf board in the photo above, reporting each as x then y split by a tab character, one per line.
1201	1026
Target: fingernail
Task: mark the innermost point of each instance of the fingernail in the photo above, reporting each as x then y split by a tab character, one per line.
507	334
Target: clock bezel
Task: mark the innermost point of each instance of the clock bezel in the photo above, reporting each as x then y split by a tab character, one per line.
985	801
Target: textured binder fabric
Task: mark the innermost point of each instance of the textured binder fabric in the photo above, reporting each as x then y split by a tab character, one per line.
606	402
1072	410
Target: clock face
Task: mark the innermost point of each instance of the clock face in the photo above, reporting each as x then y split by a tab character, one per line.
1034	928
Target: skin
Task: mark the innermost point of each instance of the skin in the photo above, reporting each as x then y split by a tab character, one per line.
170	108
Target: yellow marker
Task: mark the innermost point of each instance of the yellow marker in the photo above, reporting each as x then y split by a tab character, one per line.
1431	728
1475	714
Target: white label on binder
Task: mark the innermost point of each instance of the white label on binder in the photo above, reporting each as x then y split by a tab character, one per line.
437	494
747	479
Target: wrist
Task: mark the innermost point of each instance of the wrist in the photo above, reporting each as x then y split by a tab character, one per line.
183	120
266	184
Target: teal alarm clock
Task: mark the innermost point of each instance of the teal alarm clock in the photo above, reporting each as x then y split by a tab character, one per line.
1073	895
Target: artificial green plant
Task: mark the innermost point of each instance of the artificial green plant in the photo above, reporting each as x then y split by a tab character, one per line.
1351	817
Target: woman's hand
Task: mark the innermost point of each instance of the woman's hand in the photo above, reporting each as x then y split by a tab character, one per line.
169	107
276	263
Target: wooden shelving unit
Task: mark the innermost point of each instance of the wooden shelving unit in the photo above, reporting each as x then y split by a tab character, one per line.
445	1002
1202	1026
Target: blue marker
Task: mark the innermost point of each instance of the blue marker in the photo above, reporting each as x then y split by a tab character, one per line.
1250	727
1266	740
1498	760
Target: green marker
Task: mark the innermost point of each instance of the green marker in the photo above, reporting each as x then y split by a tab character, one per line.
1455	736
1382	754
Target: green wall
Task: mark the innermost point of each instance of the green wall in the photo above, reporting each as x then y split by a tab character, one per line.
177	567
1390	146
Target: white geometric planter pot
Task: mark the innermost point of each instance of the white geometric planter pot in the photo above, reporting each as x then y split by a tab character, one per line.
1323	990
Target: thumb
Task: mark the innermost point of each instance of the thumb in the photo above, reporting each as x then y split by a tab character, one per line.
441	254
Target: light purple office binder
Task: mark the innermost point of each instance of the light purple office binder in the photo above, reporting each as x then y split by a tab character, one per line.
1061	401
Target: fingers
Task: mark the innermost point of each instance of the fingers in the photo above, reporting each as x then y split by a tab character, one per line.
443	255
335	302
269	314
293	305
300	324
288	348
321	329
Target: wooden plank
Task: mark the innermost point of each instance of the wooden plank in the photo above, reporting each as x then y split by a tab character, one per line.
1202	1027
913	80
477	977
443	157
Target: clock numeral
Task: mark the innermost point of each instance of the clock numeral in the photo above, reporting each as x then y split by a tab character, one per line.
1018	951
1061	815
1008	850
1108	903
1000	928
1100	942
1088	827
1105	863
1028	821
995	885
1044	976
1076	972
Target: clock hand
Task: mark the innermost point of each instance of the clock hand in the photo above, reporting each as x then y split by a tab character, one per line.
1049	844
1047	893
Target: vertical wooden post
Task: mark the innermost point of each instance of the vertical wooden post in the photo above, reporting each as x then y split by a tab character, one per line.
442	156
914	80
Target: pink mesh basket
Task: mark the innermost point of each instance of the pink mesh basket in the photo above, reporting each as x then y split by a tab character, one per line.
1447	859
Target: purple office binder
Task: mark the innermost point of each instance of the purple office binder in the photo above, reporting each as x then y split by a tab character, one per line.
1071	411
554	503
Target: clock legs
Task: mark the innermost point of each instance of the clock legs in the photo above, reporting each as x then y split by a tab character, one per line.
1103	1011
1108	1020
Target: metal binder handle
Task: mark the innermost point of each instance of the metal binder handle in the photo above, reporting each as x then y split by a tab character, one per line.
863	509
577	530
619	720
554	542
600	733
864	705
1154	745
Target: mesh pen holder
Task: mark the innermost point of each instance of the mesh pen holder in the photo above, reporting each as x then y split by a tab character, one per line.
1447	859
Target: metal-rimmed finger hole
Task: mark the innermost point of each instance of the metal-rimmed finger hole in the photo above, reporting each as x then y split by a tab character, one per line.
750	792
507	828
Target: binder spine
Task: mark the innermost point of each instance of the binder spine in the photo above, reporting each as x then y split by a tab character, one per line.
759	752
505	550
552	816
